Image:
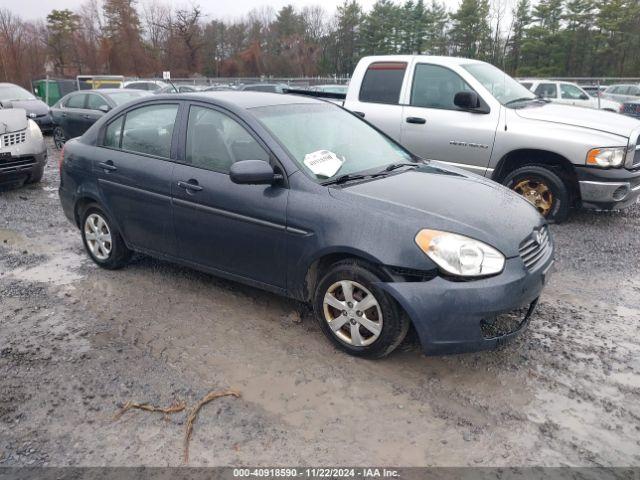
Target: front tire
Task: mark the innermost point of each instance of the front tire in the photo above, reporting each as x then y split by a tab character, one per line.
543	188
356	315
102	240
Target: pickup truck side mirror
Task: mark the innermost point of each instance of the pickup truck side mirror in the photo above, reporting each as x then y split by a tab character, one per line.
468	101
253	172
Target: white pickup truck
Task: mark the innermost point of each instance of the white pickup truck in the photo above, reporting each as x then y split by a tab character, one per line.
471	114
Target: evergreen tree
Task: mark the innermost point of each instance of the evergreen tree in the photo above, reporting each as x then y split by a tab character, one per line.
470	31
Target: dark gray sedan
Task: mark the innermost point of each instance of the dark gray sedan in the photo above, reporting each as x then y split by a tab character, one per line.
302	198
74	113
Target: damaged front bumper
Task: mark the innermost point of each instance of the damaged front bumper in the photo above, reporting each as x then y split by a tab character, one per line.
457	317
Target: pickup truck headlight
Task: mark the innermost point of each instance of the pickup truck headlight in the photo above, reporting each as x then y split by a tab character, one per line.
459	255
606	157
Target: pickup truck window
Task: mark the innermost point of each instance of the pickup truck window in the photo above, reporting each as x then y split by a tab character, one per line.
382	82
504	88
571	92
435	87
547	90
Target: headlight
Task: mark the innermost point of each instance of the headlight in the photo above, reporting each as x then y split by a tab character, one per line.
606	157
34	130
459	255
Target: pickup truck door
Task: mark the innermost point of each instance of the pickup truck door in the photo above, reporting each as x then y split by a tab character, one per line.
378	100
434	128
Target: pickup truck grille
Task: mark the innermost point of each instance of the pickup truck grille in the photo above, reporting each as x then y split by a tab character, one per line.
10	139
535	248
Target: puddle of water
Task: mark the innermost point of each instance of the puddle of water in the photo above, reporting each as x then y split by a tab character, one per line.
60	270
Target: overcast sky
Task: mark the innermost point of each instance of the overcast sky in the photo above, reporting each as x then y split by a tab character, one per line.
225	9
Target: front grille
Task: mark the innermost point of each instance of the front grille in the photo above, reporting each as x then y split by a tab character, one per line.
10	139
16	164
535	248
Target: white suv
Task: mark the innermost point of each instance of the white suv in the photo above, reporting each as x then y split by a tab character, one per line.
569	94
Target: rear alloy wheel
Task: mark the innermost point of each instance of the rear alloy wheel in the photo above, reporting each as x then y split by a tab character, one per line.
355	314
543	188
103	243
59	138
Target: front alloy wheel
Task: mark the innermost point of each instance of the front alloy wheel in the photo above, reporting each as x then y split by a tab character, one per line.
537	193
352	313
355	313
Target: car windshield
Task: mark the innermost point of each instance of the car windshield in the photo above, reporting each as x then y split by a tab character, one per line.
14	92
329	142
504	88
123	97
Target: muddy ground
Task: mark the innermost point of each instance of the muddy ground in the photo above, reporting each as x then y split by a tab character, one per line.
77	342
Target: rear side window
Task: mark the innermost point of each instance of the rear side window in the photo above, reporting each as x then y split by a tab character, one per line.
113	133
149	130
95	102
382	82
75	101
547	90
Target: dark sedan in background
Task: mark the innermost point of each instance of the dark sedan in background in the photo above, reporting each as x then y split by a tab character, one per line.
302	198
77	111
13	96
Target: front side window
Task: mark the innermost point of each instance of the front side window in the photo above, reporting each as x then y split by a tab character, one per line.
149	130
215	141
571	92
547	90
310	130
76	101
435	87
382	82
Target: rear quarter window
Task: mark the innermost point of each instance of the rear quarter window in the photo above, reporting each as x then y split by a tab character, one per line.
382	82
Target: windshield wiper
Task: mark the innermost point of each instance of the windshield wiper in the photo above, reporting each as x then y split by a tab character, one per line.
395	166
523	99
347	177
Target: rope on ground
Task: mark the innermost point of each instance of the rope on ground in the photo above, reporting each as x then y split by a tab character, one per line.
194	412
175	408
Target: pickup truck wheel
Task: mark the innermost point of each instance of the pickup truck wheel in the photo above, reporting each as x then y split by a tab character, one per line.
543	188
355	315
102	241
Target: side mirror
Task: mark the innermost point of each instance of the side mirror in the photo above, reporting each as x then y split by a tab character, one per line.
253	172
104	108
467	100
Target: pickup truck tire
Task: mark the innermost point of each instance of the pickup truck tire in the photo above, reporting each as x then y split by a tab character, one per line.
376	328
543	188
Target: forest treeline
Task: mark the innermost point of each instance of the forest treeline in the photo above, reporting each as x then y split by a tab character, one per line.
143	38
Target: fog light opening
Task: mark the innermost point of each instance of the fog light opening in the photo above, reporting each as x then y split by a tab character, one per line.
620	192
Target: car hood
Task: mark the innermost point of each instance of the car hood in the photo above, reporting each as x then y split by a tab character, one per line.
452	200
12	120
581	117
37	107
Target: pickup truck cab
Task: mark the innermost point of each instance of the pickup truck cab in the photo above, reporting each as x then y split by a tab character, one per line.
472	115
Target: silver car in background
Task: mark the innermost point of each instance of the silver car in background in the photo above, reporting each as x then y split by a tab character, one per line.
23	152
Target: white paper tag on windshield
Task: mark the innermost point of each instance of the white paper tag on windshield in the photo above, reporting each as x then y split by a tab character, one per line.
323	163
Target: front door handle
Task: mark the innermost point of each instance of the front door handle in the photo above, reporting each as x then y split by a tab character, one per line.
360	114
418	120
190	185
108	166
86	116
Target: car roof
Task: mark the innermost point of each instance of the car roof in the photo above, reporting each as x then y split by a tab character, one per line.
436	59
246	100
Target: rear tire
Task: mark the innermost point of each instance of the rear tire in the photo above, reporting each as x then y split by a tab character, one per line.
356	315
101	239
543	188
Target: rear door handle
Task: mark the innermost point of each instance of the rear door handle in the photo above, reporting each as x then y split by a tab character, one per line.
360	114
108	166
418	120
190	185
